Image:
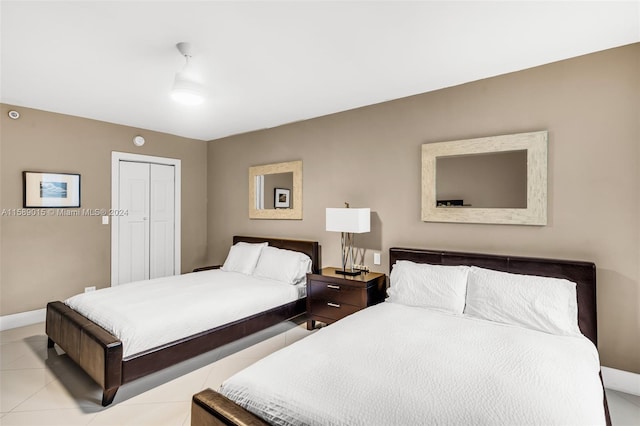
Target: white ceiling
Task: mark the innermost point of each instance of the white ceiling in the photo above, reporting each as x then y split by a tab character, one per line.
268	63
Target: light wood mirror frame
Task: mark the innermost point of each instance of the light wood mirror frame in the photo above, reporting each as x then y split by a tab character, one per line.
535	143
293	213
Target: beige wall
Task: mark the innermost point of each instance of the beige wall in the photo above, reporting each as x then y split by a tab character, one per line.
370	157
52	258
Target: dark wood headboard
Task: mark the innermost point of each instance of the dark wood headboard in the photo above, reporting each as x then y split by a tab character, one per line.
582	273
310	248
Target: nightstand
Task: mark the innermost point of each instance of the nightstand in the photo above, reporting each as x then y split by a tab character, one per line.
332	296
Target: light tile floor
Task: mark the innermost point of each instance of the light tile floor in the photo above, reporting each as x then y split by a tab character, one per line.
40	387
44	387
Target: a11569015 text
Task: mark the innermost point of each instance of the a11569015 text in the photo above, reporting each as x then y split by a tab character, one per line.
31	212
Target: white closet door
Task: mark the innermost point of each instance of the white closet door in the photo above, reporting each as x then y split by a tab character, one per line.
162	229
134	227
145	243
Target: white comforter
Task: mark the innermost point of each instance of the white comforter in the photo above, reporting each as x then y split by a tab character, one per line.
397	365
147	314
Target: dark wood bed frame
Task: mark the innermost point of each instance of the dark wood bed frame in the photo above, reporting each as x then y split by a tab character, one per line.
211	408
99	353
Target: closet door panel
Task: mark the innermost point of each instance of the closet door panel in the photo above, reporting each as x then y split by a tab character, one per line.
162	228
134	227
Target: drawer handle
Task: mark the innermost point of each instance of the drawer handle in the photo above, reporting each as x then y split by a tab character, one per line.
333	305
334	287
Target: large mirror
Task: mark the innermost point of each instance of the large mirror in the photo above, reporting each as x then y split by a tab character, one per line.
499	179
275	191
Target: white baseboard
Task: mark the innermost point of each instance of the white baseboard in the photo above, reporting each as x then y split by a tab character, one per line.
623	381
8	322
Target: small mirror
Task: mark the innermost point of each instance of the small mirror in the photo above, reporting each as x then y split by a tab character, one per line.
501	179
275	191
487	180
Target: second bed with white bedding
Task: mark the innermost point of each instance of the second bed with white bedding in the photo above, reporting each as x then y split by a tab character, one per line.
148	314
397	364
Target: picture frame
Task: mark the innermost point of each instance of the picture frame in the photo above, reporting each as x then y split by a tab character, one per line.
50	190
281	198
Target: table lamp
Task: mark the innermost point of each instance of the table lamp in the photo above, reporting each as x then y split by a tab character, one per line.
348	221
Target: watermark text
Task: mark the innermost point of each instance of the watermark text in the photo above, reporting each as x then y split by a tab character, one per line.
34	212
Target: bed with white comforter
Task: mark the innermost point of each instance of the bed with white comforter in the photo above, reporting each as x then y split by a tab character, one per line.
120	334
393	364
137	313
451	345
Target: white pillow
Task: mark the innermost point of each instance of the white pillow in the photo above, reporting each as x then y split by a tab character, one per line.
540	303
283	265
243	257
429	286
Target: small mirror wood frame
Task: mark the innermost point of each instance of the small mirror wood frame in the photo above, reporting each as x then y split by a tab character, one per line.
294	213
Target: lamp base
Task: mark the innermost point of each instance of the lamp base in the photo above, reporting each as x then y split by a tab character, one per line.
348	273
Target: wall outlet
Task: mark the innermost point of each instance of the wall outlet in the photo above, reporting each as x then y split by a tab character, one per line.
88	289
376	258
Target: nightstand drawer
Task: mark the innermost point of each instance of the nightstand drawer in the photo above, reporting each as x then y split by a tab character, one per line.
332	309
338	293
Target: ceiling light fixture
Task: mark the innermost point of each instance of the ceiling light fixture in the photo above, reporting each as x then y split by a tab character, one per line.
186	87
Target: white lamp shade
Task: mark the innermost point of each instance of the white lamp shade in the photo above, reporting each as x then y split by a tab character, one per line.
355	221
187	91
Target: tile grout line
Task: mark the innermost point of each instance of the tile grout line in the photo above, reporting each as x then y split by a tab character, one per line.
31	395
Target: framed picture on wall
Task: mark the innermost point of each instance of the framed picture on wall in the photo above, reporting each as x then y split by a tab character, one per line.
282	198
50	190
